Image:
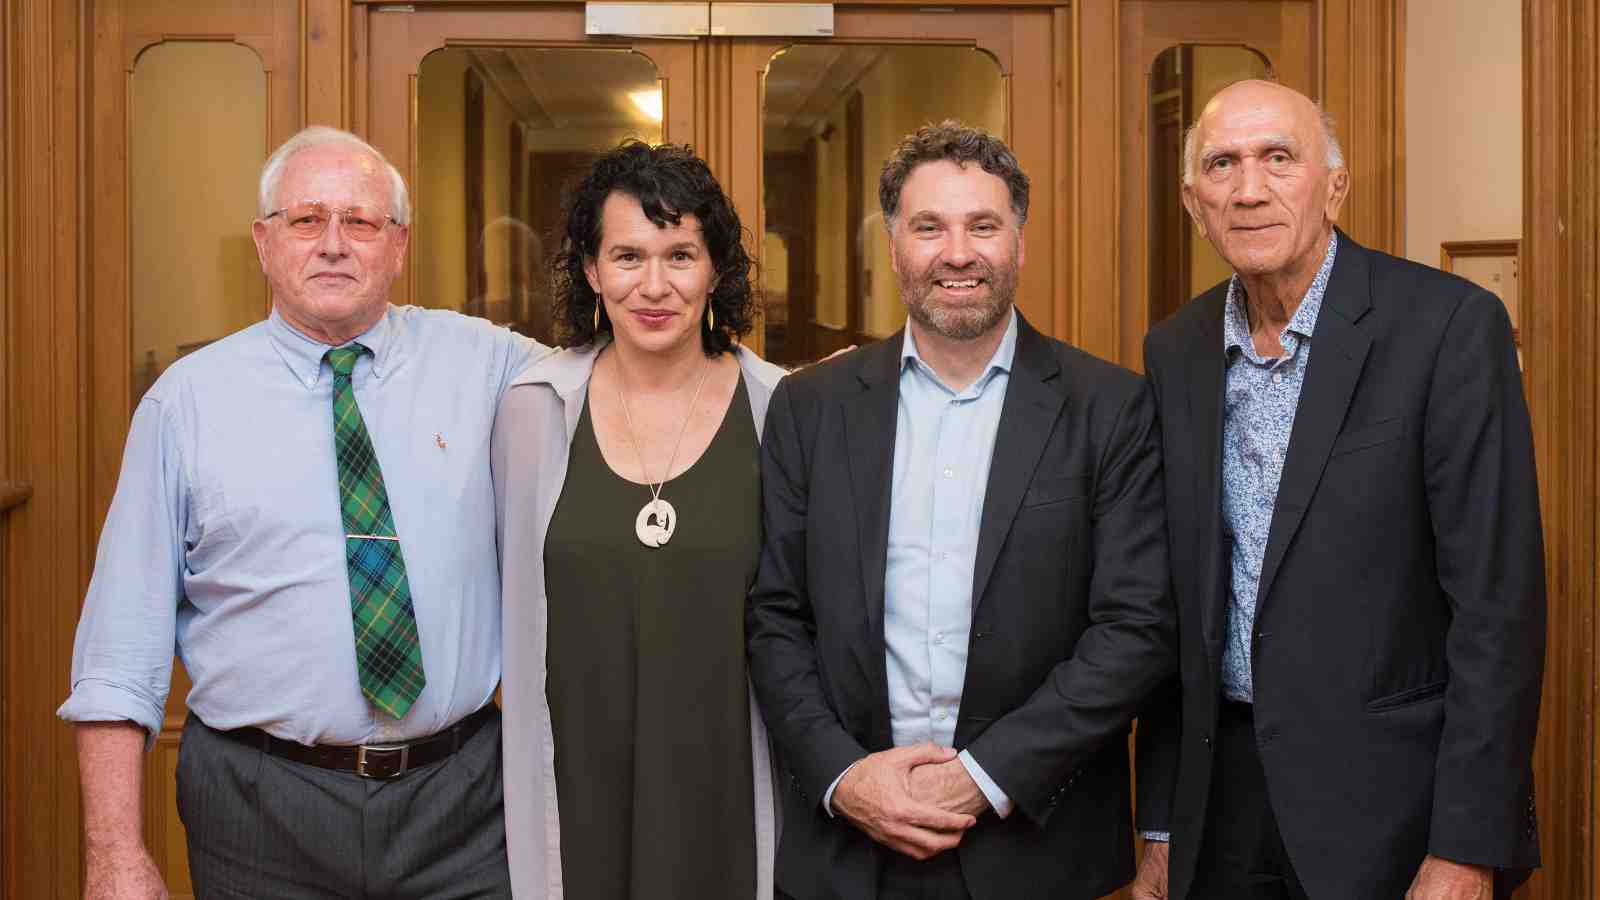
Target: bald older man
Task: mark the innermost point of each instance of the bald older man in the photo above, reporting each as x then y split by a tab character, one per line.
305	512
1356	550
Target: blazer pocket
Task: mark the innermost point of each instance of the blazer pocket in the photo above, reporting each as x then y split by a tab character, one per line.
1408	697
1368	436
1054	490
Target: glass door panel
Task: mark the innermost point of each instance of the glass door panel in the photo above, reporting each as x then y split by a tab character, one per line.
502	135
1182	81
831	116
490	113
197	132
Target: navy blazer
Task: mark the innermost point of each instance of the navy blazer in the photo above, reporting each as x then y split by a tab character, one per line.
1400	624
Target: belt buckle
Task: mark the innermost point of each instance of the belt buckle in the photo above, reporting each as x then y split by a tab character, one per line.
379	768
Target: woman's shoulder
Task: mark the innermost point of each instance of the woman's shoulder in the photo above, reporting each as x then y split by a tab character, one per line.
562	370
758	373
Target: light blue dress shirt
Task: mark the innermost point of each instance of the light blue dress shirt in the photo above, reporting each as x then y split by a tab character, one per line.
1259	403
944	442
224	540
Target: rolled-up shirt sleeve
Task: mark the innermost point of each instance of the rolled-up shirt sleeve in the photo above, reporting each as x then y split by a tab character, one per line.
122	658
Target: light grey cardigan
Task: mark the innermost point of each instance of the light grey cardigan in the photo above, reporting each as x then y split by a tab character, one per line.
532	436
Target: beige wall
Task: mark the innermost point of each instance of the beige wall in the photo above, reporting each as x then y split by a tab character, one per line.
197	138
1463	123
907	88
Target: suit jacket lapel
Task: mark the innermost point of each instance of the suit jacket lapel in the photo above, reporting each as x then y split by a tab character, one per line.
1338	352
870	418
1207	371
1034	396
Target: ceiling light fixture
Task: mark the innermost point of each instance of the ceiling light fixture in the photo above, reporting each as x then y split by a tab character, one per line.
648	102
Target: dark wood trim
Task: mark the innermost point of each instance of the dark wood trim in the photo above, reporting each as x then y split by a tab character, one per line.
472	159
856	281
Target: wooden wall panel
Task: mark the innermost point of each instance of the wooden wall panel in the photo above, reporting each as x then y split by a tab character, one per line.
1359	85
45	366
1096	181
325	60
1560	278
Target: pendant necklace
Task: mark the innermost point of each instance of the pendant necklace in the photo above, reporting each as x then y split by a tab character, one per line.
657	520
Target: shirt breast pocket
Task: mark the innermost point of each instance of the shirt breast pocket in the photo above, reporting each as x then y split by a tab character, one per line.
1049	491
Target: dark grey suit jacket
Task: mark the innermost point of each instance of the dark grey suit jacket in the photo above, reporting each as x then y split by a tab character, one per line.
1071	626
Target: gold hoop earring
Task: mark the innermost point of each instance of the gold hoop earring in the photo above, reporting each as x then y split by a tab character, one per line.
711	318
597	316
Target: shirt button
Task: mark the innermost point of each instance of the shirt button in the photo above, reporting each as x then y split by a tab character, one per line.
938	637
1277	378
949	473
941	715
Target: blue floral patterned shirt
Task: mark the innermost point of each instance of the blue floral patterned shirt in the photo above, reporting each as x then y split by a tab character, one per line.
1258	416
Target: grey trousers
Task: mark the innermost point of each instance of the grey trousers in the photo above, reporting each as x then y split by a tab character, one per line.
263	827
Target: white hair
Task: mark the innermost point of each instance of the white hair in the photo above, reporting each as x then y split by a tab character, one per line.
1334	158
321	135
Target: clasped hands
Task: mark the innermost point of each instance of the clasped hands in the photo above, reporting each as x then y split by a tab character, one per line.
916	800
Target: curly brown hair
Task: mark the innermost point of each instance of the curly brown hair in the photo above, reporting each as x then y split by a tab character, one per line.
670	182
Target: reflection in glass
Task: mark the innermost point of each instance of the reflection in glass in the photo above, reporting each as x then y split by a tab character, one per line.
1182	81
197	134
501	135
832	113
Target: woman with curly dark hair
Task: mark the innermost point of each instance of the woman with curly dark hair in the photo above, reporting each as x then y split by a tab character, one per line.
628	484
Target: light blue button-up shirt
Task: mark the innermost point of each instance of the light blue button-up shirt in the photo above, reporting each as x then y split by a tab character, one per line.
224	540
944	442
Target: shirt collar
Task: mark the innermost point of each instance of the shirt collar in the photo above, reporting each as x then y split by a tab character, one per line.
303	355
1236	325
1001	361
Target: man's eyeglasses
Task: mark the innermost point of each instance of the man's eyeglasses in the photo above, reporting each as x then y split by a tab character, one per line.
309	219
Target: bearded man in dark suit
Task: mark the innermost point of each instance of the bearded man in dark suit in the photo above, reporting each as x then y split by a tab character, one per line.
962	598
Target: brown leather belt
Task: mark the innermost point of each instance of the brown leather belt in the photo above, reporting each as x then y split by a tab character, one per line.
381	761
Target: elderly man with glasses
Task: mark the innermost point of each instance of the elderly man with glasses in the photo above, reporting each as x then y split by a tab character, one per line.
305	513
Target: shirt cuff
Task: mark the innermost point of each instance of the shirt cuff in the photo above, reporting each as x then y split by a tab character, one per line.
1163	837
998	801
827	798
97	700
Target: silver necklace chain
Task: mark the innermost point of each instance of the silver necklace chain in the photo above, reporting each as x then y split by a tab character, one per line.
622	389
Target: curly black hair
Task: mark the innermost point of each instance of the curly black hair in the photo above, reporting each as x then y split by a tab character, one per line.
669	182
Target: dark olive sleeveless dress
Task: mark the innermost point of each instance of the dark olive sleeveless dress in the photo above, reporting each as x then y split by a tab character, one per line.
647	677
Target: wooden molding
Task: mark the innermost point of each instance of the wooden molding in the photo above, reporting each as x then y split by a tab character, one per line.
45	550
13	494
1560	246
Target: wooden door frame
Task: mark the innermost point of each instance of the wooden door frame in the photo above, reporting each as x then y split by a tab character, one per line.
1560	280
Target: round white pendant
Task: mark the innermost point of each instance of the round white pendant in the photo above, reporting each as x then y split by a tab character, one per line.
655	523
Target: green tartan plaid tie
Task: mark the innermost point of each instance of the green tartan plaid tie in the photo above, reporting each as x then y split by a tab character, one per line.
388	654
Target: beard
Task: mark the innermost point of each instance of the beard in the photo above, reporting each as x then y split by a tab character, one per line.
961	320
